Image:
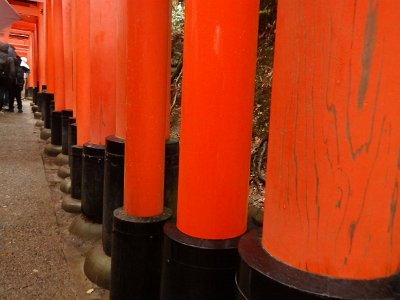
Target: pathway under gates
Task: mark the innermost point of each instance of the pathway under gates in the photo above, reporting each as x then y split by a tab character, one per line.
39	259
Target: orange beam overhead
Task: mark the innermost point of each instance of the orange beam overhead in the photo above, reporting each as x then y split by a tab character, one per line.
333	175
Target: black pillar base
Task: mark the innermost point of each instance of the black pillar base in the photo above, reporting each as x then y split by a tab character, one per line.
76	171
263	277
171	174
66	120
197	268
113	186
93	181
97	266
136	256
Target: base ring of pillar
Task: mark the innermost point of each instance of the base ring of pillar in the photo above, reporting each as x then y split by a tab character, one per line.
261	275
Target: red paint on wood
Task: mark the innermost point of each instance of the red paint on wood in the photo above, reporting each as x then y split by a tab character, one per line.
103	56
147	52
334	148
59	87
217	103
83	59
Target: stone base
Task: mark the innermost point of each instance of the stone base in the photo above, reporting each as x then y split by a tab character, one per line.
65	185
62	159
86	229
39	123
97	266
64	171
37	115
71	205
52	150
45	133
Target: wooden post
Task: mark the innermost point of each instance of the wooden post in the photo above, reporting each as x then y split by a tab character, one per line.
331	207
68	55
217	106
138	227
200	256
145	137
50	48
42	53
59	88
103	57
83	58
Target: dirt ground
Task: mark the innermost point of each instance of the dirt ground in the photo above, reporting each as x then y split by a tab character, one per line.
39	258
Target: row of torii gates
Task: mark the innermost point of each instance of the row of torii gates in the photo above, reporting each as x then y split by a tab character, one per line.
331	224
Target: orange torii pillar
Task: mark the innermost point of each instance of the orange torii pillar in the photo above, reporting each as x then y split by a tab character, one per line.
137	232
55	148
47	97
97	266
50	68
200	252
67	113
331	224
81	18
42	43
103	57
115	144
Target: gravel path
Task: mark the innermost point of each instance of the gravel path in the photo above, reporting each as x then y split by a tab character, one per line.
38	259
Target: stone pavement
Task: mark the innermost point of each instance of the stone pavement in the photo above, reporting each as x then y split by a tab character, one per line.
39	259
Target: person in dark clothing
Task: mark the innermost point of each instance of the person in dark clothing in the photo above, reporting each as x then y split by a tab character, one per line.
17	86
7	72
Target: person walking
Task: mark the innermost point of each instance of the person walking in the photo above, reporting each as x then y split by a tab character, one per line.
17	86
7	73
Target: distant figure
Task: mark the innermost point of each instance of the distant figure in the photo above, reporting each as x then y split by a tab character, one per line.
7	73
17	86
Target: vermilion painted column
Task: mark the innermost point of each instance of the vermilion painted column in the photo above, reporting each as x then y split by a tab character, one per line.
42	45
31	60
147	89
137	228
333	156
83	59
68	54
214	163
50	48
59	88
217	91
103	54
103	57
80	17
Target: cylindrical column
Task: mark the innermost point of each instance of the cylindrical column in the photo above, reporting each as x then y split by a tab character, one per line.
54	148
92	181
333	155
76	171
65	122
42	42
56	138
144	163
50	47
59	89
214	162
218	86
83	58
68	54
103	52
113	186
138	226
72	129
